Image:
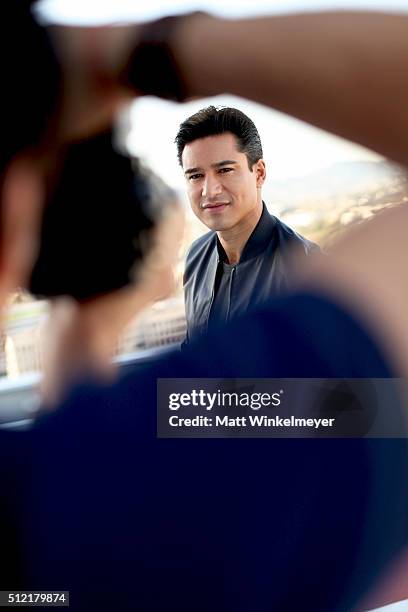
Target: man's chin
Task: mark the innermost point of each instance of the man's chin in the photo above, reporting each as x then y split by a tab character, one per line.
218	222
218	227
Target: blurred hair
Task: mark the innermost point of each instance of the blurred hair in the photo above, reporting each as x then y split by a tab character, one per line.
212	121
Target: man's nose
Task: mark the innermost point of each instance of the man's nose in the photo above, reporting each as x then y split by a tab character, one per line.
211	187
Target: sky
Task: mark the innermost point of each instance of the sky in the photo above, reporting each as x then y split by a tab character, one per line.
291	147
93	11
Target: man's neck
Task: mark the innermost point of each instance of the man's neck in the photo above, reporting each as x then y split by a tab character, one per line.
234	240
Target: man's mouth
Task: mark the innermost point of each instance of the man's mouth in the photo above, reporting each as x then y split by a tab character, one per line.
215	206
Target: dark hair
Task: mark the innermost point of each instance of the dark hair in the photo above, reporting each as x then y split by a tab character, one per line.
212	121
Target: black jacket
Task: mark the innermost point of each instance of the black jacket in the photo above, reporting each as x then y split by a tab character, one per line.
262	271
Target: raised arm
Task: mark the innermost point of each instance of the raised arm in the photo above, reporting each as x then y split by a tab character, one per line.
344	72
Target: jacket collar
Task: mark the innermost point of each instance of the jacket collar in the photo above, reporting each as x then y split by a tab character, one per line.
258	240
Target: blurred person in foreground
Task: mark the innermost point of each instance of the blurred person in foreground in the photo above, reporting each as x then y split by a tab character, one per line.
92	500
247	256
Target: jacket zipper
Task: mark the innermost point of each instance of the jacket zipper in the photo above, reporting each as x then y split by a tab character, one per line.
230	292
212	298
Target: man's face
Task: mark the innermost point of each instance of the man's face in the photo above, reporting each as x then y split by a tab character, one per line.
221	188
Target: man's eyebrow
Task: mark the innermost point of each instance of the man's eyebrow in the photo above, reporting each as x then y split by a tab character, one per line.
224	162
192	170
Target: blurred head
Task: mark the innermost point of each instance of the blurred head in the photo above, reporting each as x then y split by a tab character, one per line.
220	152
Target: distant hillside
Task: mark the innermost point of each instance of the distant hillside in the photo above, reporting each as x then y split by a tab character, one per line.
335	182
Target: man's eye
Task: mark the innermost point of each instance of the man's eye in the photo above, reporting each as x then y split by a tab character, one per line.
194	177
225	170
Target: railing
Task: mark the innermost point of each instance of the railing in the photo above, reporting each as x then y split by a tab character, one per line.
20	398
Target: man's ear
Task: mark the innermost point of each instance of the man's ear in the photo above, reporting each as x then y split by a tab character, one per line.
260	170
22	195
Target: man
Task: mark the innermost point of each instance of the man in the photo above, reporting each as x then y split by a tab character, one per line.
246	257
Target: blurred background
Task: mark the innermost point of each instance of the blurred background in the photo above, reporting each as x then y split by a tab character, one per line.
317	183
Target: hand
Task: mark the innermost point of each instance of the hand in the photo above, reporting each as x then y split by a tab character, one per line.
91	61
